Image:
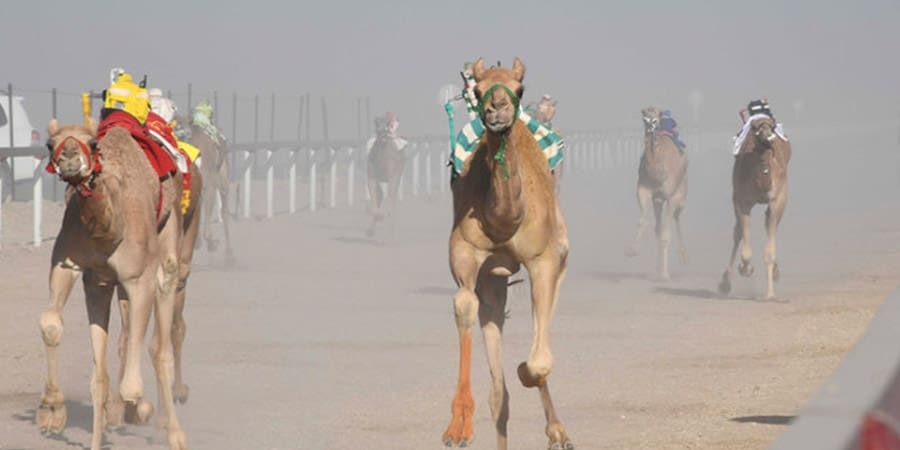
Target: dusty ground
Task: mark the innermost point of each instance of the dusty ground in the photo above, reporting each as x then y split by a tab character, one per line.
321	338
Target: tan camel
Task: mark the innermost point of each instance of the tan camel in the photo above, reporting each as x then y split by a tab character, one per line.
662	181
214	167
384	166
117	230
505	215
759	176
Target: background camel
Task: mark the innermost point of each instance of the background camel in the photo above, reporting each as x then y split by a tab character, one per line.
759	176
384	166
214	167
662	181
113	234
545	111
505	214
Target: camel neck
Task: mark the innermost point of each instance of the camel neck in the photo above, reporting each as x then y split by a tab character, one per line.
505	205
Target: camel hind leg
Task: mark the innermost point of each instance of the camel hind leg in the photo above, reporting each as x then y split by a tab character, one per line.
773	217
645	197
223	187
51	414
677	203
492	293
663	213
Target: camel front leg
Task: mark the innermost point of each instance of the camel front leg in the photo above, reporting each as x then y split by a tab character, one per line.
773	217
677	204
492	314
465	267
141	293
547	275
115	406
51	414
645	197
98	296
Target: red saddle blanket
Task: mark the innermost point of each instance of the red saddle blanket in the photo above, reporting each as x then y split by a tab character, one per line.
158	157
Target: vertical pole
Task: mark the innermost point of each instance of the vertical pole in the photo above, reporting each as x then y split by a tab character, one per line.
37	200
12	144
190	97
306	118
270	185
53	93
428	183
415	171
351	173
256	118
300	121
332	181
248	160
272	121
216	106
312	180
359	134
292	181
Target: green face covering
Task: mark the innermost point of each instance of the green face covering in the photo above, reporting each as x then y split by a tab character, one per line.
500	157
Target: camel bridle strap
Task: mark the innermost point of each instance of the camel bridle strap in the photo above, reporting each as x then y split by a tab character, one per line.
500	156
91	158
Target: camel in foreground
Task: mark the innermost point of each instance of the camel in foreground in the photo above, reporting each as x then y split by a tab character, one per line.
505	214
384	166
122	227
662	181
214	167
759	176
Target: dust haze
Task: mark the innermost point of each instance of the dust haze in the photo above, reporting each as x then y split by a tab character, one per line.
321	337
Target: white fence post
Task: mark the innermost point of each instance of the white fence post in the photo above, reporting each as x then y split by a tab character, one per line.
1	213
312	180
332	180
270	185
37	198
428	183
247	180
292	182
351	173
415	174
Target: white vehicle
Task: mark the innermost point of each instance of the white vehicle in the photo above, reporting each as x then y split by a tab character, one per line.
24	135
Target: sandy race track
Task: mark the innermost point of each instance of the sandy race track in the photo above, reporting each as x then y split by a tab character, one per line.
323	339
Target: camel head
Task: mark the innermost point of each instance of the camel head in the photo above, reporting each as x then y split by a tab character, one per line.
71	150
651	119
763	130
499	91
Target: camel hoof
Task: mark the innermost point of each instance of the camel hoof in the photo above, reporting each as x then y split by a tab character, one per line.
51	419
138	414
177	440
526	378
564	446
725	284
776	274
115	413
745	269
180	392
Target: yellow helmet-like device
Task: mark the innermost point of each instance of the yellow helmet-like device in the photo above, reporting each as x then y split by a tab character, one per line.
126	95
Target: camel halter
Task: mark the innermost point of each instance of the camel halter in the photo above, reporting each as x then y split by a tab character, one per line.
500	157
91	159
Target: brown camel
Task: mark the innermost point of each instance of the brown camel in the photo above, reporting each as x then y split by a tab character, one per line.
384	166
214	167
122	226
662	181
505	214
759	176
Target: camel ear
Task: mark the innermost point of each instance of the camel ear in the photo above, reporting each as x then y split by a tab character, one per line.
91	124
53	127
518	69
478	69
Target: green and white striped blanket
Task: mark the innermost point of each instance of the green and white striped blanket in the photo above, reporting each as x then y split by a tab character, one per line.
550	142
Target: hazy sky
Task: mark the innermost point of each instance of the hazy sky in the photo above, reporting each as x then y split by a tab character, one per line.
602	60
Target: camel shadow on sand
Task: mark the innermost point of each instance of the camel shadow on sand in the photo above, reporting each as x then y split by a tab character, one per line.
708	294
765	420
79	415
